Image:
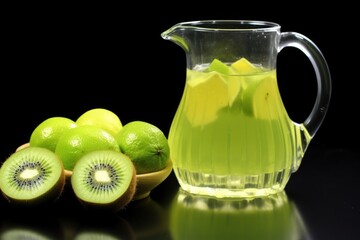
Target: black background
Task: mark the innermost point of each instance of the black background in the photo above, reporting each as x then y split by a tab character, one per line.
66	59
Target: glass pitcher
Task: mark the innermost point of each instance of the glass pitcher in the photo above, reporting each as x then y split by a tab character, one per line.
231	135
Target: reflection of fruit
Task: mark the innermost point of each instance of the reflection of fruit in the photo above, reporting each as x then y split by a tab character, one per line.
146	145
75	142
48	132
29	225
109	227
22	234
148	219
102	118
31	176
104	179
68	222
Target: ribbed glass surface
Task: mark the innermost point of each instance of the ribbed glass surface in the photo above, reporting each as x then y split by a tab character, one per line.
248	146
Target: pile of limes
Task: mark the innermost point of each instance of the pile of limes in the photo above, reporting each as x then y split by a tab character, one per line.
100	158
100	129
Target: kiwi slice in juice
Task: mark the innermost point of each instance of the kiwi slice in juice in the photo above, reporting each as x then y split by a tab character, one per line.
32	176
104	180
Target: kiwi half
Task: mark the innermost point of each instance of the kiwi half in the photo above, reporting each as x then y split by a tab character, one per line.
104	180
32	176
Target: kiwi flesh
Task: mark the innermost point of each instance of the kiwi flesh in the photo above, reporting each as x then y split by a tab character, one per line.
104	180
32	176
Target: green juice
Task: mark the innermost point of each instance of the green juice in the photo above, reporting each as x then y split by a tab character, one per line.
231	135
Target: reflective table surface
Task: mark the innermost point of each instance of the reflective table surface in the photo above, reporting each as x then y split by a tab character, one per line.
321	201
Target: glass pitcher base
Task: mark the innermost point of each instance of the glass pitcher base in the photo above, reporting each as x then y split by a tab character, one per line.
226	186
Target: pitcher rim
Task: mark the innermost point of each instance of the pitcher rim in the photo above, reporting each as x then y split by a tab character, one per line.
258	25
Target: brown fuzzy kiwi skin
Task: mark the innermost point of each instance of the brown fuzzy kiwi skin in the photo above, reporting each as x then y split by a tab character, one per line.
116	205
47	198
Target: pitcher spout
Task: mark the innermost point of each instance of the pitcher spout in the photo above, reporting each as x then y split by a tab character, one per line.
176	35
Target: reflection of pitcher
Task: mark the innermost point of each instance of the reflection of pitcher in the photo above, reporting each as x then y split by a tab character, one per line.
201	217
231	135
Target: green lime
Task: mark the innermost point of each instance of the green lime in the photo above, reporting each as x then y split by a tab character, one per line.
48	132
102	118
145	144
76	142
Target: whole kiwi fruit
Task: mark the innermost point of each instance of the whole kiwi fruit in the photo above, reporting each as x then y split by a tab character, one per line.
104	180
32	176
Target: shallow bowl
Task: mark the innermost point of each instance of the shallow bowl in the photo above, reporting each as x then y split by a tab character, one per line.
145	182
148	181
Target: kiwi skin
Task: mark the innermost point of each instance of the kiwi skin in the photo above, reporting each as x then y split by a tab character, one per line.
47	198
116	205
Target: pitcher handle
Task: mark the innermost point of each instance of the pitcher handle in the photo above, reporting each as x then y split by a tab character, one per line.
317	115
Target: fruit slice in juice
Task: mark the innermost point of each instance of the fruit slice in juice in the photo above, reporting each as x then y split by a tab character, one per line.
260	98
244	67
233	82
218	66
206	93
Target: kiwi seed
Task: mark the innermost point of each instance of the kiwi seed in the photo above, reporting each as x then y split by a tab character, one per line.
104	180
32	176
